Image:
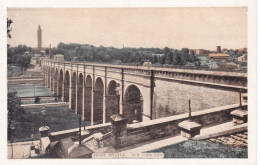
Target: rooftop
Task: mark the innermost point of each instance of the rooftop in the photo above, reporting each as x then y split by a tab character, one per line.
218	55
58	55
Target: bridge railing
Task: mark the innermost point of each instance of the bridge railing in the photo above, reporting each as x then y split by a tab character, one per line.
218	77
140	68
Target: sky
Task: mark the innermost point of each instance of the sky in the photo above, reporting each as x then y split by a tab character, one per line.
194	28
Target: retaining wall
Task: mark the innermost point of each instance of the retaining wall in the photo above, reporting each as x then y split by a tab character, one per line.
169	126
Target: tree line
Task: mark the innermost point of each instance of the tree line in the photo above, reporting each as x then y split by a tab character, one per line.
18	55
135	56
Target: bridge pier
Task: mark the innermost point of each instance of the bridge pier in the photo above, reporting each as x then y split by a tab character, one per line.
92	106
66	89
73	93
43	77
55	86
80	95
60	84
104	108
63	89
83	95
104	97
52	83
49	80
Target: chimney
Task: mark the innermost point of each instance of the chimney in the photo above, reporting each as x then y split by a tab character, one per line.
49	50
218	49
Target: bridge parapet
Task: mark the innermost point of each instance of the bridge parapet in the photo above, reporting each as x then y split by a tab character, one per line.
155	129
217	77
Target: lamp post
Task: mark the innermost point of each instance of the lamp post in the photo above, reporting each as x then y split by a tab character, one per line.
240	99
189	110
118	96
32	136
34	91
79	117
43	113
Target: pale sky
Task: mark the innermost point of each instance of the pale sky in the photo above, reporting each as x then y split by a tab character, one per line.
134	27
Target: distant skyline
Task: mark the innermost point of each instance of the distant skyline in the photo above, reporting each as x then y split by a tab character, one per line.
194	28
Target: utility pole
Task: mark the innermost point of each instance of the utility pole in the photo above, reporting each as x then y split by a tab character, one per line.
79	129
189	110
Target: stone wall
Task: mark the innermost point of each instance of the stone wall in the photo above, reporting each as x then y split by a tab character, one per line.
73	133
25	81
171	98
159	128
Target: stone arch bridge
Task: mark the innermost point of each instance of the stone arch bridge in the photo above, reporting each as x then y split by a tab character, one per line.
145	93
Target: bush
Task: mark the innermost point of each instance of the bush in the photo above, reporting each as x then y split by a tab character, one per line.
56	99
15	111
37	99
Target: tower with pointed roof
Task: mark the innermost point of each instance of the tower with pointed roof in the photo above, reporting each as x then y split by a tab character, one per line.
39	37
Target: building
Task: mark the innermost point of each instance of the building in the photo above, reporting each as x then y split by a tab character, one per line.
218	49
191	51
230	65
242	58
199	51
147	64
243	50
59	57
219	56
35	59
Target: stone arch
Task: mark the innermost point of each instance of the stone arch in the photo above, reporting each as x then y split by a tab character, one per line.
98	101
67	87
73	91
133	104
88	98
60	84
80	94
112	100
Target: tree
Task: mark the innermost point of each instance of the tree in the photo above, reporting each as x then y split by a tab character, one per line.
166	50
46	51
9	29
23	60
169	58
185	51
192	57
162	59
177	59
155	59
14	110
